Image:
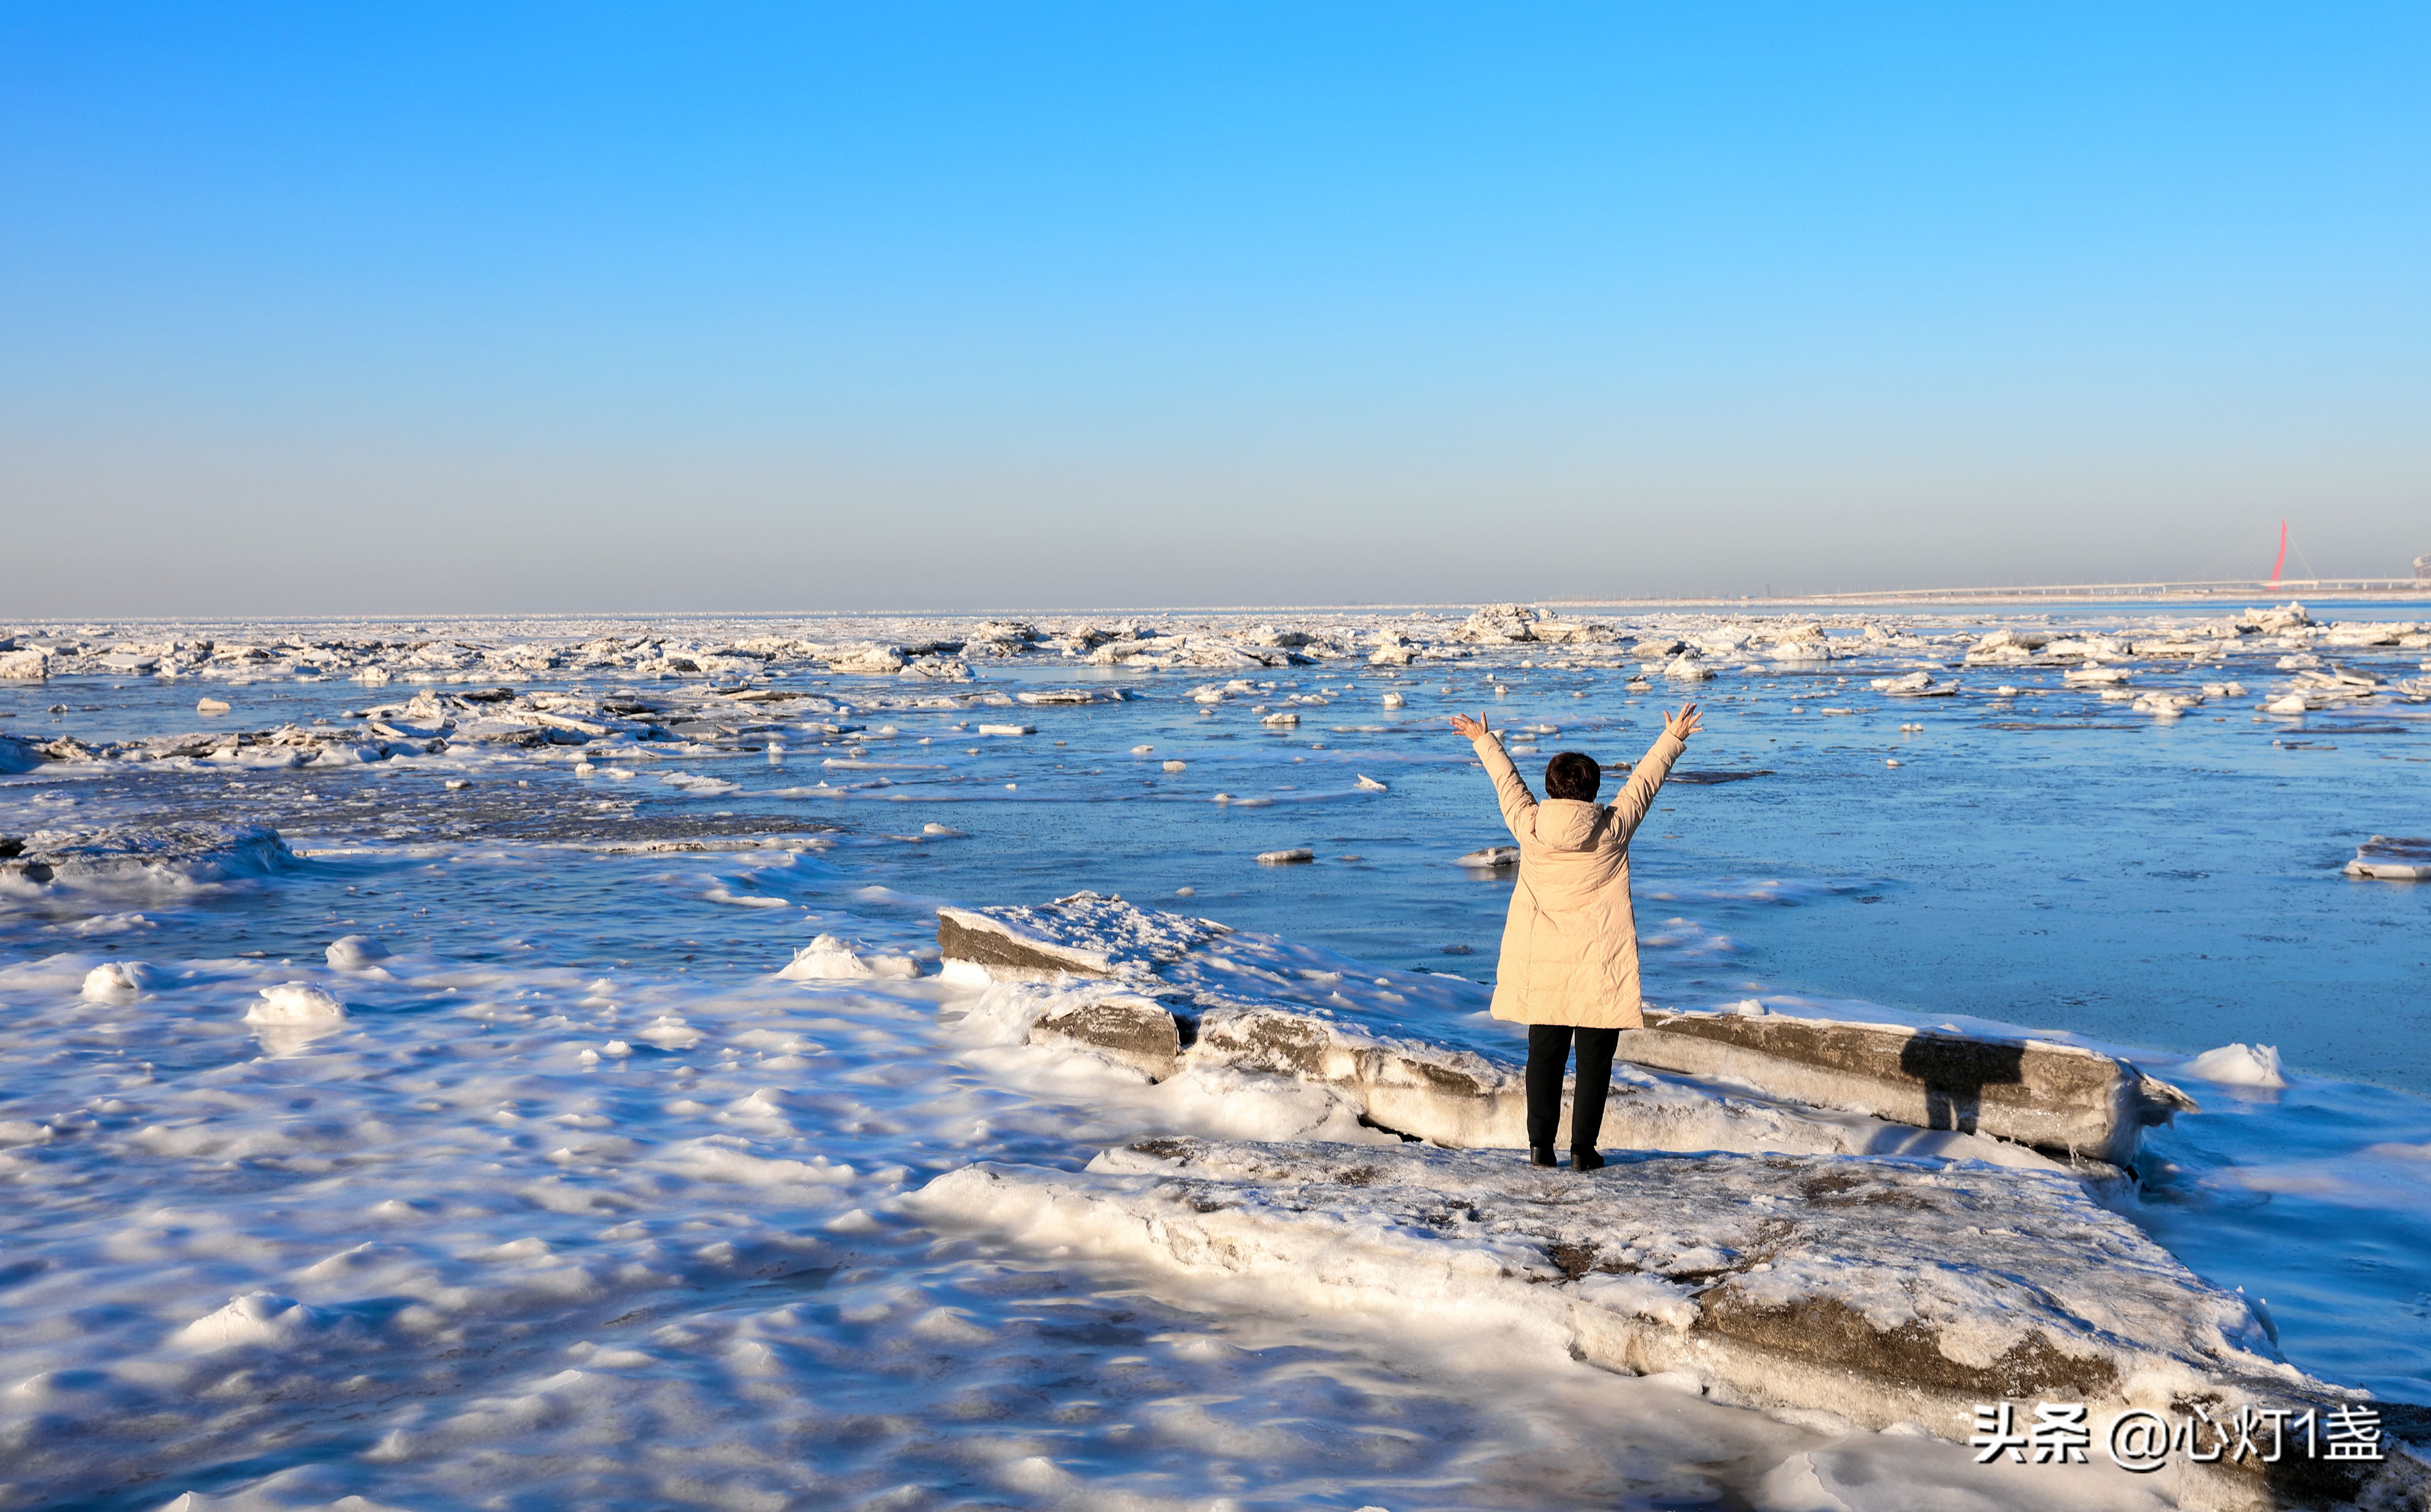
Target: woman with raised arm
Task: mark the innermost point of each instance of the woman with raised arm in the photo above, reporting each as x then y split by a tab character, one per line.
1570	946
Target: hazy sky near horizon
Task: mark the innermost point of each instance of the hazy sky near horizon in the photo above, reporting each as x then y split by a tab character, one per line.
433	307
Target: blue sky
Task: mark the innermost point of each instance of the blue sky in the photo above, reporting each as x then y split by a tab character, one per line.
320	308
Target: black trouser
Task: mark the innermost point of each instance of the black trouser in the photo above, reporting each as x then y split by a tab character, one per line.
1548	1055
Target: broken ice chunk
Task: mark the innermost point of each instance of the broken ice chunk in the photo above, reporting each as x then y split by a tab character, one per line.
2238	1065
2392	859
295	1002
353	953
827	958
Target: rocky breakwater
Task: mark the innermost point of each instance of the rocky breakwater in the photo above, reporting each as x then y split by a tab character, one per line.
1952	1299
1169	996
2059	1099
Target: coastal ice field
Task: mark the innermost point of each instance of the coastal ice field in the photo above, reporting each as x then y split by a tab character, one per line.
400	1099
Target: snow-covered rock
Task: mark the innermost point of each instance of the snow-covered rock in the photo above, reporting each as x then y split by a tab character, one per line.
1084	935
2056	1097
1883	1292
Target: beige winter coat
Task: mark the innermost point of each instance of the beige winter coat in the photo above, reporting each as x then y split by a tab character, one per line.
1569	947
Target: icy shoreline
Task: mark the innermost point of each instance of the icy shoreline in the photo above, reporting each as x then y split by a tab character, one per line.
534	1117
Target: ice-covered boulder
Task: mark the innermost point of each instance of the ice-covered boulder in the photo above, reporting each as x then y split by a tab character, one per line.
1135	1030
1883	1292
1432	1092
2052	1096
1165	993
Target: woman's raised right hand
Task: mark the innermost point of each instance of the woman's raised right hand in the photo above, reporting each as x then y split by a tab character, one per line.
1470	729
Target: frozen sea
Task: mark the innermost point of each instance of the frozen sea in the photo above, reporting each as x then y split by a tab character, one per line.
579	1204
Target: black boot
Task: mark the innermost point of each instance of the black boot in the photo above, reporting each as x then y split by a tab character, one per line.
1582	1160
1540	1155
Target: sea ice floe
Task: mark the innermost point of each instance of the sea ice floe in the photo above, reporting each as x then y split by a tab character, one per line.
2392	858
1295	856
1489	858
1915	684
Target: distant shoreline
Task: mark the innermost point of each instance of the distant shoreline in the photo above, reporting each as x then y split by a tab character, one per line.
2340	590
